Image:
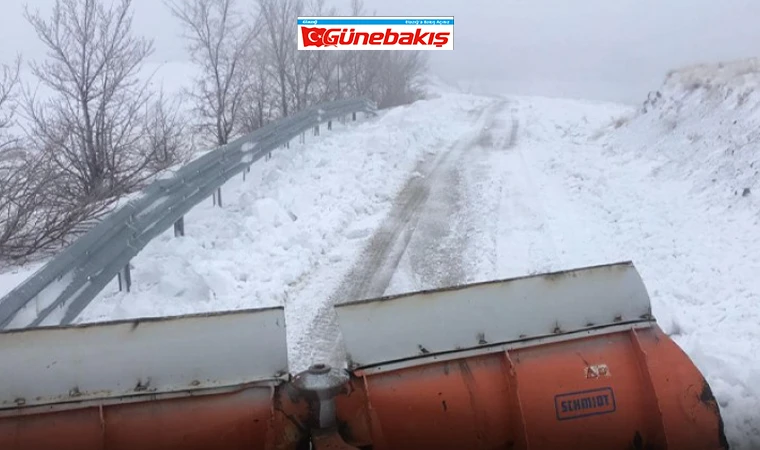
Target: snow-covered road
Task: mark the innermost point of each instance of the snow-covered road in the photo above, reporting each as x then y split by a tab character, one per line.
420	243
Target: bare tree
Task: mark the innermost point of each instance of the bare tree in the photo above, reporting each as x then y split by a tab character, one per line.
220	38
326	87
308	68
279	42
27	223
90	126
165	131
12	176
20	197
95	135
360	71
9	82
400	79
31	220
258	107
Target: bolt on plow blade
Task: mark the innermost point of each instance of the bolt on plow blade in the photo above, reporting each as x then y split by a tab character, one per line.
563	360
191	382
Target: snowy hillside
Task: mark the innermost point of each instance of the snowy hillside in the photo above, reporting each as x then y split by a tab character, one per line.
704	126
680	193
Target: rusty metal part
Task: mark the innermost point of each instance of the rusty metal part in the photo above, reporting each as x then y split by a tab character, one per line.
320	385
329	439
572	359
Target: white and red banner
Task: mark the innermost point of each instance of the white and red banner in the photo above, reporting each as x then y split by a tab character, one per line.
376	33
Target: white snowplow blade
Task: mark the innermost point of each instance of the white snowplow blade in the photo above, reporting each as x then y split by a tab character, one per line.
471	316
113	360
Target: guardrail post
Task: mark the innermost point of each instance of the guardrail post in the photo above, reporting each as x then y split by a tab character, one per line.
216	197
179	227
125	279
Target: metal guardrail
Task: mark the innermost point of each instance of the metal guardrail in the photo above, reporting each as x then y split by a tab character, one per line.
69	282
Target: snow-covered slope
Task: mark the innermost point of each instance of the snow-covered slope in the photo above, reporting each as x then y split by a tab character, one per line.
678	186
699	260
703	125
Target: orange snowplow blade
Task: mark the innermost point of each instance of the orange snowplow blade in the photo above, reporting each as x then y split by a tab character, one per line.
194	382
627	389
240	420
557	361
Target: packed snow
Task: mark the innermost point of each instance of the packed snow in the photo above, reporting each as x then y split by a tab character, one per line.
670	184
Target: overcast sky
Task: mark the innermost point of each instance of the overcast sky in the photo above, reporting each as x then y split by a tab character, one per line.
602	49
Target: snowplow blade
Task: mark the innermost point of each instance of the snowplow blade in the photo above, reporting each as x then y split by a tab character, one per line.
570	360
563	360
191	382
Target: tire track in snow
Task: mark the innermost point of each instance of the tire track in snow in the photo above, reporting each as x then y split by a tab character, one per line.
524	241
483	191
420	231
423	211
454	246
379	260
